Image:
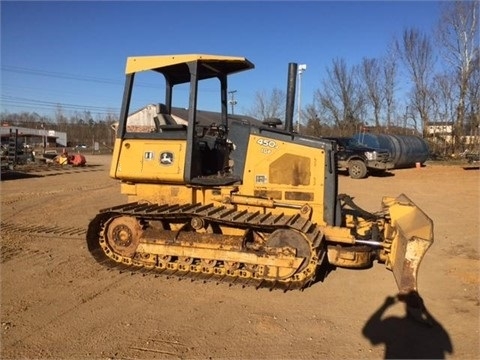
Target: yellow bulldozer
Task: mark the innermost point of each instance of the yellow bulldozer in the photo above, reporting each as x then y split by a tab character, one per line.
231	199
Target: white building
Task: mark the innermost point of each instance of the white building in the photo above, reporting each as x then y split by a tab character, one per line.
33	137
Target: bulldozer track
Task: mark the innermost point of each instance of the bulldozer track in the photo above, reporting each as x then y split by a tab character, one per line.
98	245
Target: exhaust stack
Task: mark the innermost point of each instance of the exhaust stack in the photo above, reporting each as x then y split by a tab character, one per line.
291	88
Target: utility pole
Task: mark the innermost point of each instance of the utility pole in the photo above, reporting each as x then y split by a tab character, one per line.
301	69
232	101
44	137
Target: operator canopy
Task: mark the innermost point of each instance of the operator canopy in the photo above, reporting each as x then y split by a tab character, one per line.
175	67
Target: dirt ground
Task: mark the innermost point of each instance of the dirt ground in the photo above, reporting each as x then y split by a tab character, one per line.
58	302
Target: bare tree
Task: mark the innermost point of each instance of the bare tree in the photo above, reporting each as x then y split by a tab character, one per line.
474	99
416	52
459	35
342	97
61	119
110	119
443	108
372	76
442	93
313	126
390	68
270	105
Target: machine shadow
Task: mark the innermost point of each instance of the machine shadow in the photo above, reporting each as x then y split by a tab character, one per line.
417	335
324	268
15	175
379	174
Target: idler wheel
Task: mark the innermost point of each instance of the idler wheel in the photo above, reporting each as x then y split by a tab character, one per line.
123	235
293	239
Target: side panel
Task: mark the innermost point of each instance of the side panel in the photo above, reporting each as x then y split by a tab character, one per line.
149	160
287	172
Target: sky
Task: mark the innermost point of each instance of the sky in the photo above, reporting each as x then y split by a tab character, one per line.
73	53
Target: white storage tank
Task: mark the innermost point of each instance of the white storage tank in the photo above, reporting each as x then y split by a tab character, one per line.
405	150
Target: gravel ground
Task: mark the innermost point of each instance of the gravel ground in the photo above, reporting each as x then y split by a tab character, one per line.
57	302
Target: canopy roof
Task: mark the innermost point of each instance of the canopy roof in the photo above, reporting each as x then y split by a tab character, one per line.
175	67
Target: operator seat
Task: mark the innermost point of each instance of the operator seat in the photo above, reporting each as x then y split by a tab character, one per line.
163	117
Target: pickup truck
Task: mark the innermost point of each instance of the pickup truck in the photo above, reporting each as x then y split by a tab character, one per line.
360	160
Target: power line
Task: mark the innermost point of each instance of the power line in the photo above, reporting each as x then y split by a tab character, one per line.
20	102
49	105
33	101
68	76
87	78
22	70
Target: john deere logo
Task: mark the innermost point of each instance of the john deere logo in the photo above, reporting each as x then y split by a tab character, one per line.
166	158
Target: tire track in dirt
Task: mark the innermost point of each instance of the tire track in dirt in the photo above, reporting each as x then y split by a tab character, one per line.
39	170
10	251
64	268
54	230
26	254
29	195
84	300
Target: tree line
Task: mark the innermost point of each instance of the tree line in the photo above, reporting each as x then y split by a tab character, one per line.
442	74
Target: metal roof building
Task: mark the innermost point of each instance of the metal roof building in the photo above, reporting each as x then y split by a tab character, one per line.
29	136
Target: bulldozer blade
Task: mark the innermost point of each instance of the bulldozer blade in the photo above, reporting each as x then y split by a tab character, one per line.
411	237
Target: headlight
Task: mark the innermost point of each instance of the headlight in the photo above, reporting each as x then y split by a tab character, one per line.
371	155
